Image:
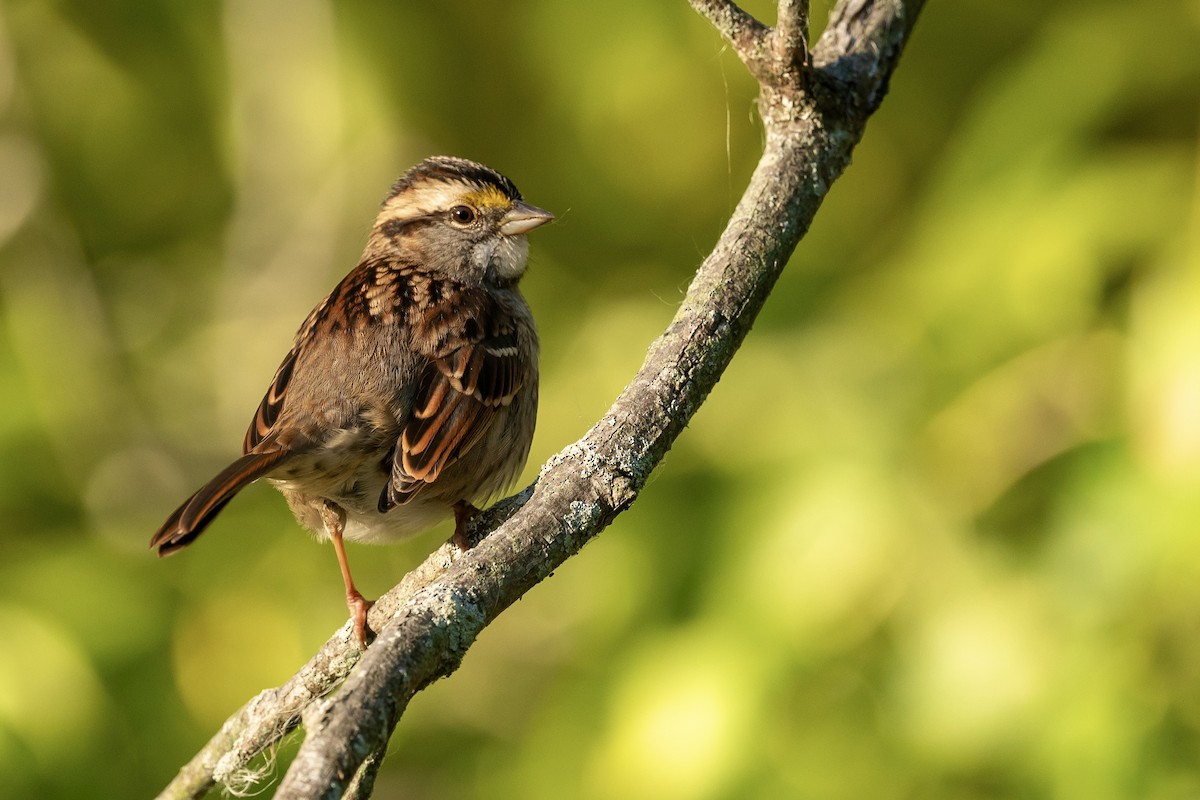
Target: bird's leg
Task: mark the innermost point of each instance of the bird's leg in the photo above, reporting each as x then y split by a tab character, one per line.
464	512
334	518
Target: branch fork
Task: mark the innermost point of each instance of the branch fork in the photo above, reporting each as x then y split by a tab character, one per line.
777	57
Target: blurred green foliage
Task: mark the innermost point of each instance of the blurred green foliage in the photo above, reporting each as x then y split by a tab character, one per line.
936	534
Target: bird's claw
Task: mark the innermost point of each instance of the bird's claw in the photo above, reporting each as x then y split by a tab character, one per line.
359	606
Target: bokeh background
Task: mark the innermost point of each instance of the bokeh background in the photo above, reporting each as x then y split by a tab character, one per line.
936	533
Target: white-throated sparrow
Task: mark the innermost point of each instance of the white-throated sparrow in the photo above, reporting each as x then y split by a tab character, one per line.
411	390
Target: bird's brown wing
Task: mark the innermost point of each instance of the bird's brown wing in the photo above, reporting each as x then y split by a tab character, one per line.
271	405
476	370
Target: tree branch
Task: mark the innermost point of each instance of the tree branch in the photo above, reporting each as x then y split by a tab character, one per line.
747	35
789	40
813	118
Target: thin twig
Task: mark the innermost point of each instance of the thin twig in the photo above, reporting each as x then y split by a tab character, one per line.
364	780
789	39
745	34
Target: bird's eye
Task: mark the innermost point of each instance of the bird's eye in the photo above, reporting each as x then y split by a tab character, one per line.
463	215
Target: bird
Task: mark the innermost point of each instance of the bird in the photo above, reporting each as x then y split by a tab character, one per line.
410	392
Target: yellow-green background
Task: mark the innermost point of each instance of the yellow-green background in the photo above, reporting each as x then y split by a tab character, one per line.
935	535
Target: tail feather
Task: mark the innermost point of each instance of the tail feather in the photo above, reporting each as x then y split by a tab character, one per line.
190	519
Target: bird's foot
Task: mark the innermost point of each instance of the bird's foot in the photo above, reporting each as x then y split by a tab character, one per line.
359	606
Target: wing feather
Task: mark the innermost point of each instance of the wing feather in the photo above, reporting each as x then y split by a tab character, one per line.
271	405
477	372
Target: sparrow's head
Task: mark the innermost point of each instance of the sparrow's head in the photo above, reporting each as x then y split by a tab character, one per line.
458	219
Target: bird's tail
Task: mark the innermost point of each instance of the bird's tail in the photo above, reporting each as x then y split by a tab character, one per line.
191	518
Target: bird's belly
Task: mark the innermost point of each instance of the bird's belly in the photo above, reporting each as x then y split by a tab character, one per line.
416	516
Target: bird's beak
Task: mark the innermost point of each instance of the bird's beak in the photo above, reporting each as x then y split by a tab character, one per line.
523	218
